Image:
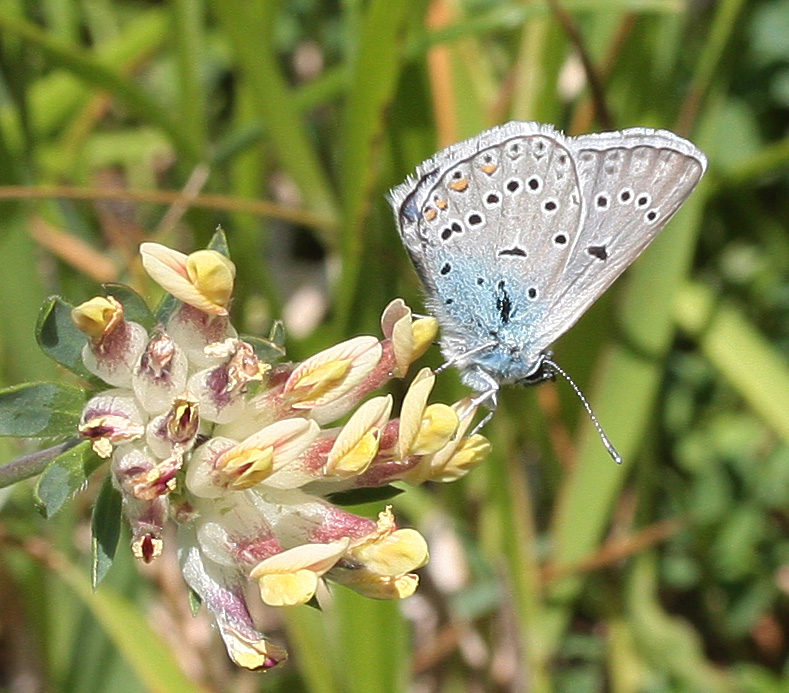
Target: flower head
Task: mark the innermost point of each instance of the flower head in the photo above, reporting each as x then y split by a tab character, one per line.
244	454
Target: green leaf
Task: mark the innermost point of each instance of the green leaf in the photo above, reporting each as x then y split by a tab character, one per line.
168	305
314	603
265	349
35	410
64	476
277	334
105	529
358	496
195	602
218	242
59	337
134	306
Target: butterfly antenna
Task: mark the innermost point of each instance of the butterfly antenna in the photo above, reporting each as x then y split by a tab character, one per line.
556	368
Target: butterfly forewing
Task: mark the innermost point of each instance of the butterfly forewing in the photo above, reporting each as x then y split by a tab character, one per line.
632	183
490	229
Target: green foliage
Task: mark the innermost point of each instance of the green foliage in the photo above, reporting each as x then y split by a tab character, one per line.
40	410
59	338
134	307
286	123
65	476
105	529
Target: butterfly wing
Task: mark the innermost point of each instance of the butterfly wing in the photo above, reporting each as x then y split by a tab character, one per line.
517	231
632	182
490	224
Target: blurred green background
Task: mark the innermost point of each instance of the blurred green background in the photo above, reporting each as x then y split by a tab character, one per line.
552	568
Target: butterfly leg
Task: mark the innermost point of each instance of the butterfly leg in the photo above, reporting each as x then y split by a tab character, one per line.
489	397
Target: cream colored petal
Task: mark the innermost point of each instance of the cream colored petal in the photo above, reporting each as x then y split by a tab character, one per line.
212	275
167	267
412	409
288	438
396	310
410	339
248	468
252	654
441	466
438	426
403	345
400	552
288	589
97	316
315	557
465	412
357	443
471	452
333	372
424	332
380	587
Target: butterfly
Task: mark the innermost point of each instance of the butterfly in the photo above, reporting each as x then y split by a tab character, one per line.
517	231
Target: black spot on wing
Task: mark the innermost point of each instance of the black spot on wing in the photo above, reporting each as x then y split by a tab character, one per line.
503	303
598	251
519	252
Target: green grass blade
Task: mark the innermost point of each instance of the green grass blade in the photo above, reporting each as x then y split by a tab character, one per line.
94	72
376	67
627	386
142	647
250	30
725	336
